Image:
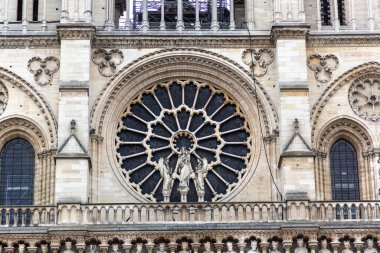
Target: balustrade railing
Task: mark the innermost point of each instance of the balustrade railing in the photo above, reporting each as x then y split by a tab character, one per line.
276	212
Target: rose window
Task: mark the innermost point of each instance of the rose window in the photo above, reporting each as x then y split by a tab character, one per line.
183	141
364	97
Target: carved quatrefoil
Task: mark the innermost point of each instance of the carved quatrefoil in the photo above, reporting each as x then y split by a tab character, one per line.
43	69
3	97
107	61
323	66
258	60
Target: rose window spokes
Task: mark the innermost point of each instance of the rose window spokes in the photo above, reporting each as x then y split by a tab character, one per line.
183	141
364	96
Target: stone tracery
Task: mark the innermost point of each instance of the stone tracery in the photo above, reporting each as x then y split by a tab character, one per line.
364	96
188	131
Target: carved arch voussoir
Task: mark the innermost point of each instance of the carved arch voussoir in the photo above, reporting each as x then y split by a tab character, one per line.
348	76
21	127
46	111
194	56
346	128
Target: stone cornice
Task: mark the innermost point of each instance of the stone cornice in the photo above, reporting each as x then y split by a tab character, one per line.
29	41
106	41
343	39
76	31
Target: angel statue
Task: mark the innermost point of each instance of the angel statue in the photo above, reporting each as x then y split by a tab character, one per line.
166	175
200	175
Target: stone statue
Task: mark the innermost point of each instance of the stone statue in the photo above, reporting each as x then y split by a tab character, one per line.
253	249
200	174
21	248
347	247
184	247
300	246
207	246
275	247
166	175
69	246
161	248
324	248
184	169
370	248
230	247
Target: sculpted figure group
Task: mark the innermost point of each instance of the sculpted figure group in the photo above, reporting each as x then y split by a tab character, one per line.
183	172
207	246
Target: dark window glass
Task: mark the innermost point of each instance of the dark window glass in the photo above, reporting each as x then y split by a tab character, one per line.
326	12
19	10
35	10
344	171
17	173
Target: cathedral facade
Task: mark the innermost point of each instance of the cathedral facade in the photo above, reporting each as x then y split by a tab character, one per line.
153	126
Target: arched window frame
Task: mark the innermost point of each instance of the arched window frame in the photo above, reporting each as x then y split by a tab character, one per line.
358	136
343	173
22	180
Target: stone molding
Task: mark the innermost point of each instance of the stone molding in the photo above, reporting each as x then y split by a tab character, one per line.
323	66
355	131
37	97
12	42
76	31
102	41
334	86
17	124
107	60
340	40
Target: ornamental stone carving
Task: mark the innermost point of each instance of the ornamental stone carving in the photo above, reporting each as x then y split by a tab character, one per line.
107	61
323	66
258	60
3	97
183	140
364	96
43	69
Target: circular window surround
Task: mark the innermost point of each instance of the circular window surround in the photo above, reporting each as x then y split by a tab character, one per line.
125	86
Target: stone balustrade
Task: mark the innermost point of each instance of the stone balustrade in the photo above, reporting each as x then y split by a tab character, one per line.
94	214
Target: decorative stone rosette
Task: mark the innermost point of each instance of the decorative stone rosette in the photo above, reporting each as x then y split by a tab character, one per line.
258	60
364	96
323	66
43	69
177	117
107	61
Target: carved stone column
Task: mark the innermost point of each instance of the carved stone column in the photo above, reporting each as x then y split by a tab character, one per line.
371	22
172	247
195	246
287	246
103	248
81	247
319	18
219	247
353	19
149	247
162	23
241	246
145	21
264	247
9	249
180	26
313	246
32	249
214	16
197	26
54	248
335	245
127	247
6	21
25	22
358	246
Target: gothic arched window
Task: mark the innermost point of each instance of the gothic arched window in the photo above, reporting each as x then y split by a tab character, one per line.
326	10
344	171
17	173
